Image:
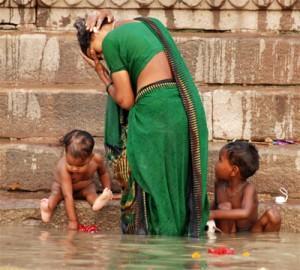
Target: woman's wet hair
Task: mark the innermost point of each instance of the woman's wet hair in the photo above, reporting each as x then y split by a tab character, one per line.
244	155
78	143
84	36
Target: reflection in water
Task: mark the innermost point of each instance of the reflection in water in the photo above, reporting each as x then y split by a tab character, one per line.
35	248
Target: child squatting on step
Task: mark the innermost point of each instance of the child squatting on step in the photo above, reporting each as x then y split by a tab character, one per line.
73	177
235	207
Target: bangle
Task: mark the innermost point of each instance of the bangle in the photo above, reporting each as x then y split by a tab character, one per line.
107	86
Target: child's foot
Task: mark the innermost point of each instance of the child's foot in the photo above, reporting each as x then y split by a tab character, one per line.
102	199
45	211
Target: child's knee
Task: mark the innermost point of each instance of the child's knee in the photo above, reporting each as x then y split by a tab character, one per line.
225	206
274	215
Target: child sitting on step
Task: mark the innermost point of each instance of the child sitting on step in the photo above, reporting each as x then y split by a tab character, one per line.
73	176
235	208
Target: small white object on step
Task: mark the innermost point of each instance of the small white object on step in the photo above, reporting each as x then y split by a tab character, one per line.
282	199
211	226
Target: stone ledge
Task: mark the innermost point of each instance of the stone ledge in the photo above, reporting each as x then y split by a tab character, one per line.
50	112
30	167
185	4
217	58
30	113
256	113
27	212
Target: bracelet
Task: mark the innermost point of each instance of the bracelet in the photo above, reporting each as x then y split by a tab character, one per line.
107	86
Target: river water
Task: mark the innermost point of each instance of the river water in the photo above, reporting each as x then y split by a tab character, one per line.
30	247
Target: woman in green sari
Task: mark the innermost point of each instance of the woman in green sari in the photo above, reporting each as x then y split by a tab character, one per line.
155	132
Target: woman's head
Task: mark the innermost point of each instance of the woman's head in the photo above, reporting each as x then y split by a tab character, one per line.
89	40
84	36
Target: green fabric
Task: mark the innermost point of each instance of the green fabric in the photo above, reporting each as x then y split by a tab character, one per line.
158	156
159	151
197	126
130	47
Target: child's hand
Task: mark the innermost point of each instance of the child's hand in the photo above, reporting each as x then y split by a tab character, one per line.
73	225
211	215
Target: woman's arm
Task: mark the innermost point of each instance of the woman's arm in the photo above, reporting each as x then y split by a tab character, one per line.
120	89
118	86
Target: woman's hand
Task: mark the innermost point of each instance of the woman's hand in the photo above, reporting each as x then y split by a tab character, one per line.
100	69
88	60
96	18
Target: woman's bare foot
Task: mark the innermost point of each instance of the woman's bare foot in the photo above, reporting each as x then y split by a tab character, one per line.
102	199
45	211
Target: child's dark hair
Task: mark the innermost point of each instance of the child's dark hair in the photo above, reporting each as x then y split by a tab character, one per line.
78	143
84	36
244	155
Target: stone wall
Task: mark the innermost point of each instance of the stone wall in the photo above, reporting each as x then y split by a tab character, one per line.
243	54
207	15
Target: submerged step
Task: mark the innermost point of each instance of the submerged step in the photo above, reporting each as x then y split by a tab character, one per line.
27	212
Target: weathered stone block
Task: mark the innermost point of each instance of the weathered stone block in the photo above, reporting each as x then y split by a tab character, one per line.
30	167
50	112
18	16
43	58
27	212
256	113
212	58
42	112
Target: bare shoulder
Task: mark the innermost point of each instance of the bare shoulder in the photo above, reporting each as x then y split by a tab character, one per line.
250	190
60	170
98	159
250	187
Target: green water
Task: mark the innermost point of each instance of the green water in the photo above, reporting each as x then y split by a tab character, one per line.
36	248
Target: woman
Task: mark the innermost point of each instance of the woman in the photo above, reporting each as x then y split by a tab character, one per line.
156	132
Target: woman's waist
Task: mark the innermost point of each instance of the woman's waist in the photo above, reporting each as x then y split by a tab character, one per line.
158	86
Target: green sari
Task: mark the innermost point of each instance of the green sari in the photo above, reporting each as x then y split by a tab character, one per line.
159	152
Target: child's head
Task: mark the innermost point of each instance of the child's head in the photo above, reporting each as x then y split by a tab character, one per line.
239	155
79	146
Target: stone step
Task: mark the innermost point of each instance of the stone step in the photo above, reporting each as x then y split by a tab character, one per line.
213	58
256	113
30	167
50	111
14	210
